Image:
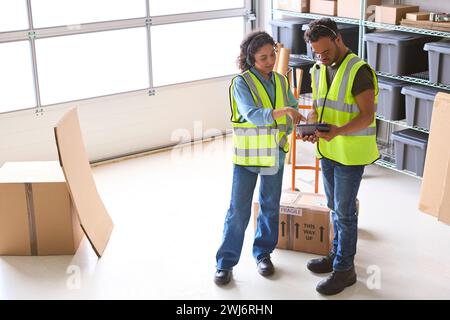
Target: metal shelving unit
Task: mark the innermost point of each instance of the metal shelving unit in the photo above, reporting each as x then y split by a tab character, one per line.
315	16
403	124
406	29
390	165
421	78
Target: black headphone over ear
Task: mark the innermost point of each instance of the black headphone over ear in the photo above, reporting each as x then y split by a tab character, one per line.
247	59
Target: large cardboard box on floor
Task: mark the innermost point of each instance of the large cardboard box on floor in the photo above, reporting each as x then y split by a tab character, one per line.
293	5
328	7
351	8
435	189
393	13
304	222
46	206
37	216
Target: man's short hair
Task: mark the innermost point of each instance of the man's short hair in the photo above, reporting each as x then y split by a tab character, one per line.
324	27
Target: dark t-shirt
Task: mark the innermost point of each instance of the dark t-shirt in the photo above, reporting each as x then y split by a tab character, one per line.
363	79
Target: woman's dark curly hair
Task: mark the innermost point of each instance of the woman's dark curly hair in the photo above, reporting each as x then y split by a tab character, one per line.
250	45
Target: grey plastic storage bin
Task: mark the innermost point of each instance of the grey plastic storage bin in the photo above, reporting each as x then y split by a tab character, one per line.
439	61
397	52
289	31
350	35
410	150
419	105
391	103
305	65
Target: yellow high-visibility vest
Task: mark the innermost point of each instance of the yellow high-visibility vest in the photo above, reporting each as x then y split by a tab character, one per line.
337	105
258	145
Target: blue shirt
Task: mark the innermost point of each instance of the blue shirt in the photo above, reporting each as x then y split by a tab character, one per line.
254	114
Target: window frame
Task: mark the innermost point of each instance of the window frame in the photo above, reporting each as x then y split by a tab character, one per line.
32	33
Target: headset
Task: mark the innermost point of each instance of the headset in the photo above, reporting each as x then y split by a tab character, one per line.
335	35
324	26
247	59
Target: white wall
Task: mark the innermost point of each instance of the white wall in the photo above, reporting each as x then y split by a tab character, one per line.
121	124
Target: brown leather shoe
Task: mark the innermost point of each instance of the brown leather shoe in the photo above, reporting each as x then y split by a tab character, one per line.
322	265
265	267
337	282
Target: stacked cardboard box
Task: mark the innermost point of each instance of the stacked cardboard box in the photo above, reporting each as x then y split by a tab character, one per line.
416	16
351	8
392	14
423	24
293	5
328	7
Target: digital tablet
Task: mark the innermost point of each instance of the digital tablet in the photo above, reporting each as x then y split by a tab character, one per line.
309	129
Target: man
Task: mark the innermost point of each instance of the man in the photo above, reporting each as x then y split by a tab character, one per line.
345	97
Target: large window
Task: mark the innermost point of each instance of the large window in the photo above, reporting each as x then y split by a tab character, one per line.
16	77
195	50
165	7
48	13
13	15
92	64
80	49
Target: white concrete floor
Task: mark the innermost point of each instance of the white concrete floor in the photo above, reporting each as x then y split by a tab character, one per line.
168	209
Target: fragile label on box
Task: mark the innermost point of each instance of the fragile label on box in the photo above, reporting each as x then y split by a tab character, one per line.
304	222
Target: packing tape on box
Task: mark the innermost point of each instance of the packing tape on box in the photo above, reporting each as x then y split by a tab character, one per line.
292	228
31	219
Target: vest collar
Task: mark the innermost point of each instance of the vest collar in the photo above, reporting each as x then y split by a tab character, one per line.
260	76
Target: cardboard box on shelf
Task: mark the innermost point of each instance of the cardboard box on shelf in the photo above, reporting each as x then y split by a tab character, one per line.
328	7
435	188
45	206
351	8
416	16
392	14
438	26
293	5
304	222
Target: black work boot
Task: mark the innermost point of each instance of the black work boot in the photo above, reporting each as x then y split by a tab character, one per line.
265	267
222	277
337	281
322	265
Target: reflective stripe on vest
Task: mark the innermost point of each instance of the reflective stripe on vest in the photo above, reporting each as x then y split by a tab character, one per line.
337	105
259	145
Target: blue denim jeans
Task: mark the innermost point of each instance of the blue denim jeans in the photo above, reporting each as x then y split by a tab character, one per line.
238	215
341	184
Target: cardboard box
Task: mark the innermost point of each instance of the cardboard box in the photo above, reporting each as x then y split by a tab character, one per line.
37	216
304	222
351	8
94	219
416	16
438	26
393	13
44	206
293	5
327	7
435	188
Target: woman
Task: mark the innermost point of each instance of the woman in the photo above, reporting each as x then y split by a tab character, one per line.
263	110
